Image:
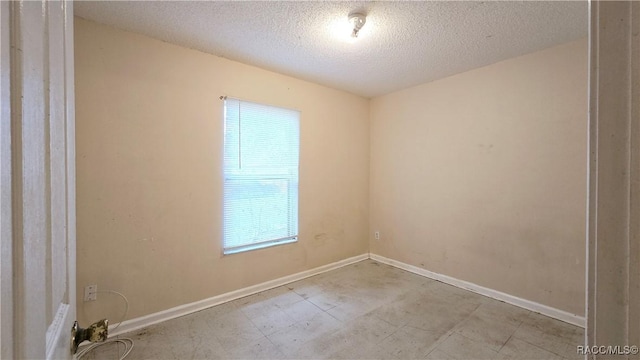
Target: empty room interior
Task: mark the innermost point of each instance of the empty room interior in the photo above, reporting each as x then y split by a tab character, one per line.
300	180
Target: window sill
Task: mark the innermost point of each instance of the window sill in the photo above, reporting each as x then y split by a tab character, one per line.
263	245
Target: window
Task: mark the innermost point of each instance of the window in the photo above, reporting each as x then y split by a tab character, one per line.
261	151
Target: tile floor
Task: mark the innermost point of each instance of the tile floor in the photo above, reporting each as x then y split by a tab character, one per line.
366	310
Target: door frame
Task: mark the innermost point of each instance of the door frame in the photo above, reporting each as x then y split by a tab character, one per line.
613	233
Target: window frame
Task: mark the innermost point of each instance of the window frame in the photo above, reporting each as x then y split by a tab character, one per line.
237	175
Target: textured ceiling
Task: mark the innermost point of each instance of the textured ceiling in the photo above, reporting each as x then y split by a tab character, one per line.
401	45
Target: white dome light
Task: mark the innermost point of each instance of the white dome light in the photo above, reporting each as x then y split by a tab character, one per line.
357	21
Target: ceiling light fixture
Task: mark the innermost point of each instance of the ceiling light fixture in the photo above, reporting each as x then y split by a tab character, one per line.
357	22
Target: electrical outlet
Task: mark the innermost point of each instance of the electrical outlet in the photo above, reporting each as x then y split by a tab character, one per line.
376	235
91	293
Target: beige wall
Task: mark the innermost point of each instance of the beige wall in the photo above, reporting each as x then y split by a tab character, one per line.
482	176
479	176
149	191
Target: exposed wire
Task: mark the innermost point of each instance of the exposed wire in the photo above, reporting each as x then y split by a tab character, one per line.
127	342
126	304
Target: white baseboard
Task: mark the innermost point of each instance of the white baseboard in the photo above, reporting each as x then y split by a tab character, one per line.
151	319
494	294
155	318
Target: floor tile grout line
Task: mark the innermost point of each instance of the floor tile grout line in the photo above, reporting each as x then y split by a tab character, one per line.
510	336
540	347
316	306
439	342
451	331
460	323
505	343
275	346
477	342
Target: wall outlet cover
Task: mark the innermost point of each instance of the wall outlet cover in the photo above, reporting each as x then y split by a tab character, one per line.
91	293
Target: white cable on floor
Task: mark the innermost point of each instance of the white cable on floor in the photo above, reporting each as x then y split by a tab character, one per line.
128	346
128	343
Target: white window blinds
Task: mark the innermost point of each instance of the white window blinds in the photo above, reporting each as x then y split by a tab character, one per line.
261	152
